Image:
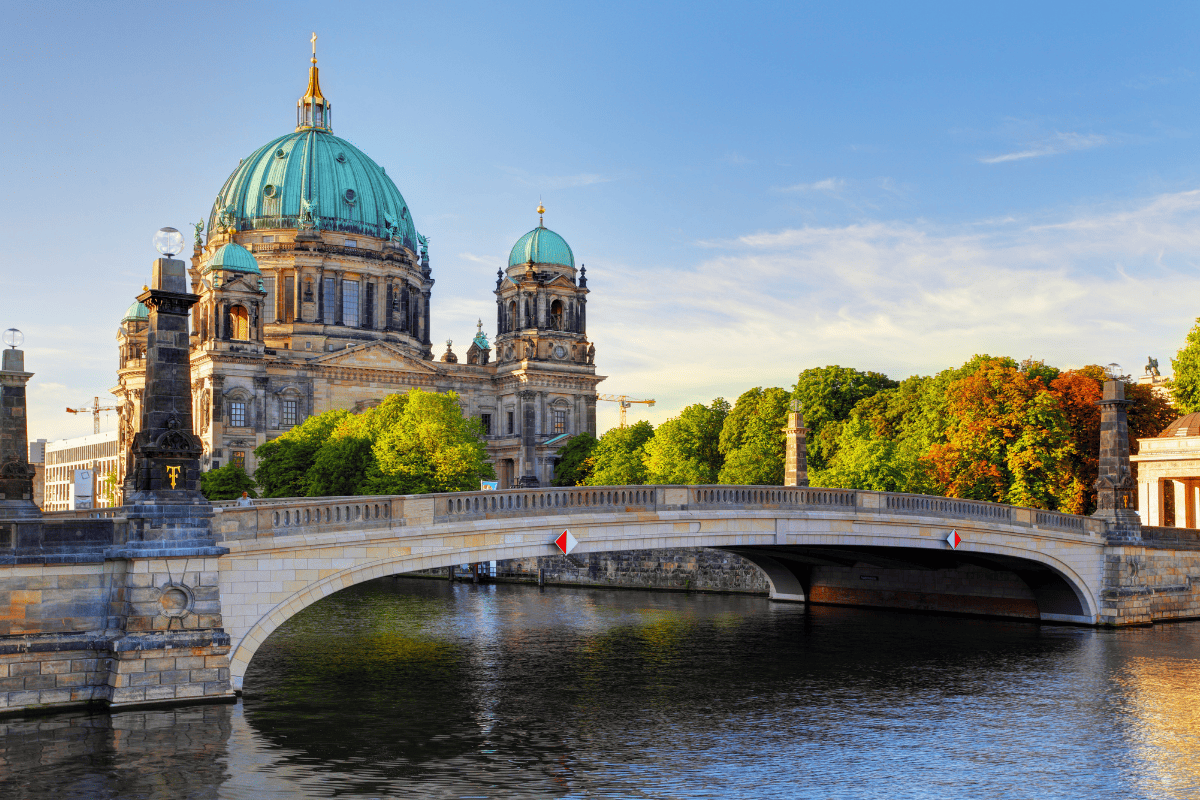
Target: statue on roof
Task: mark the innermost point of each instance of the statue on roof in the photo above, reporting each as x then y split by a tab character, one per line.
1152	367
308	215
199	226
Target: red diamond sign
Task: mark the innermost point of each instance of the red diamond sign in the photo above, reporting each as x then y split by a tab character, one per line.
954	540
566	542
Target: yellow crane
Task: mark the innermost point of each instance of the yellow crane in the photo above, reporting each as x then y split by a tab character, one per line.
95	410
625	402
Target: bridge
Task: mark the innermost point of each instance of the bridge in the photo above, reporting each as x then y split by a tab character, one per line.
818	544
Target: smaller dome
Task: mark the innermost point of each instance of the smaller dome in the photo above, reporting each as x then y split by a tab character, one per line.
232	257
541	246
136	313
1187	425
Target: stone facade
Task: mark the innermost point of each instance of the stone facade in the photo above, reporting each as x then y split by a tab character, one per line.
694	569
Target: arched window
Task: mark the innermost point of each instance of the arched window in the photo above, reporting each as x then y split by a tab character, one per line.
239	323
556	315
513	322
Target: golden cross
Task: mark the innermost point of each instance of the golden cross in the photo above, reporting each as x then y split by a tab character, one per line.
314	44
173	473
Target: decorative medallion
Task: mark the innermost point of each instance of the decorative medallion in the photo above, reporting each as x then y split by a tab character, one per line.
560	352
175	600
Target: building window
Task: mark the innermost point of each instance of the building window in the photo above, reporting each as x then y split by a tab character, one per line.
560	422
487	424
269	307
238	458
510	424
237	415
290	413
350	303
329	301
289	298
216	464
351	242
239	323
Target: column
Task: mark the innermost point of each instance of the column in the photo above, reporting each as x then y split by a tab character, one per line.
1185	515
16	480
337	300
425	309
299	296
795	465
321	293
1115	485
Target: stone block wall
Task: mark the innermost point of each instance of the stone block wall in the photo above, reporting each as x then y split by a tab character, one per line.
196	668
55	598
698	569
1158	581
51	678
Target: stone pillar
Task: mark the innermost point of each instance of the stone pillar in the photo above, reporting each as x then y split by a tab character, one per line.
162	488
528	439
425	320
795	468
1115	486
16	474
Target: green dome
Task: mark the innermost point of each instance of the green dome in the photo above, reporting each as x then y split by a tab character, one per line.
136	313
232	257
343	188
541	246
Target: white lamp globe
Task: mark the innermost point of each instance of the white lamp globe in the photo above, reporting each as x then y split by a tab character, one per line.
13	337
168	241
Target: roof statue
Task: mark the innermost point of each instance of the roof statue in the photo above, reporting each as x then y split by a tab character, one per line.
1152	367
199	226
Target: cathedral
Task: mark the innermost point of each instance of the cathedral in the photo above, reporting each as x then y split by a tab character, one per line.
314	288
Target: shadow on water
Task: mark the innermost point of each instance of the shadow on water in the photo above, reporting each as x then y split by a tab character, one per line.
407	687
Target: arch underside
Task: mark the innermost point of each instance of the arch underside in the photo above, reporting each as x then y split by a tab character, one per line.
793	570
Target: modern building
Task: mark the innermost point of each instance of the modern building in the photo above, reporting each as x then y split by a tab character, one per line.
314	288
37	460
79	472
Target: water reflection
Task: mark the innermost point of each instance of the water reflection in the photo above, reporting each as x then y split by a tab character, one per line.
408	687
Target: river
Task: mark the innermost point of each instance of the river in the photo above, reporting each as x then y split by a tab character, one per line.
418	688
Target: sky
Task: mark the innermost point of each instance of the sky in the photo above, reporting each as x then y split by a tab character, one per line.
755	188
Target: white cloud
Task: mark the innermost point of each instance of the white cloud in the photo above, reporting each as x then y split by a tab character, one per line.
552	182
905	298
1058	143
830	185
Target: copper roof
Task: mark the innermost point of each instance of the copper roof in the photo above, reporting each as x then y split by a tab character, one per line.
1187	425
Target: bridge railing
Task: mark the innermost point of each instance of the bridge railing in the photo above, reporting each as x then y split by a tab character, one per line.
291	516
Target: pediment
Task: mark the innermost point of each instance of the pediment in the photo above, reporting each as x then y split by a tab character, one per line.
376	355
562	281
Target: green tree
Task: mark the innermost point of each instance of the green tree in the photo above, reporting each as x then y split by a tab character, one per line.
618	459
865	460
226	483
573	466
345	463
1185	386
827	395
686	449
284	462
752	438
428	447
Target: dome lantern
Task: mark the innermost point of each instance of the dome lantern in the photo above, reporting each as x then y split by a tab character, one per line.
313	110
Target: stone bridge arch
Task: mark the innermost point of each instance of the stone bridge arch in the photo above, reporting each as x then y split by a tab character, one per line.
279	565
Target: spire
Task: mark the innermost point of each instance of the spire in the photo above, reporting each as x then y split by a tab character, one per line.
541	210
312	110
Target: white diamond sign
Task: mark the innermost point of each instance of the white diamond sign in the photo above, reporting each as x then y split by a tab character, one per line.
954	540
566	542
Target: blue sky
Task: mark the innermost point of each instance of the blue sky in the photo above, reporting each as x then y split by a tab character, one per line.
756	189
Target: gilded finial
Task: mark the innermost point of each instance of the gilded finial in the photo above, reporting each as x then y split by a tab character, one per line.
314	44
541	210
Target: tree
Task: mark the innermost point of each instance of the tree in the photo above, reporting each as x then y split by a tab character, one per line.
1008	440
827	395
573	468
1185	386
226	483
284	462
428	447
345	463
864	460
752	438
686	449
618	457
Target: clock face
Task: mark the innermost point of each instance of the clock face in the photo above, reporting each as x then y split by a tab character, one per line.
560	352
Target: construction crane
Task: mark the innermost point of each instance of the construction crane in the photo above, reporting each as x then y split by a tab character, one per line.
625	402
95	410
